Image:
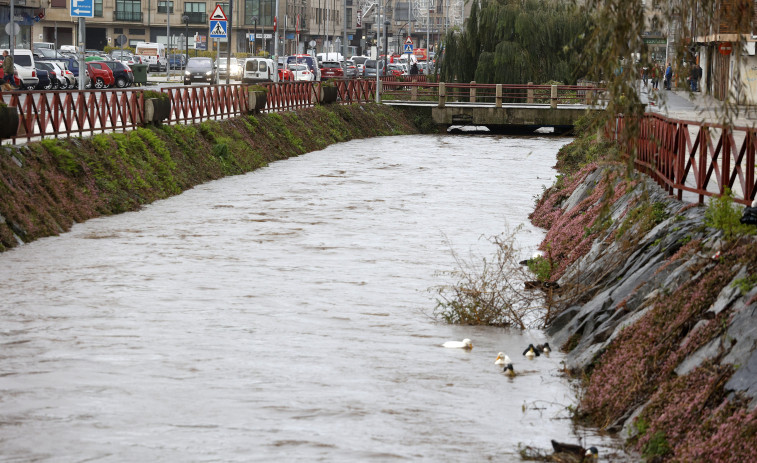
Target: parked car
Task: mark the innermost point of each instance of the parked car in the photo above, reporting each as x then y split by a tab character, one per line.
200	69
350	69
16	81
310	61
394	69
285	74
23	59
45	83
359	63
331	69
100	74
370	68
121	72
55	73
301	72
41	53
177	61
234	66
70	63
257	70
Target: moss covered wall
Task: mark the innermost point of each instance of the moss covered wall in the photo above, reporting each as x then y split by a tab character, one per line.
45	187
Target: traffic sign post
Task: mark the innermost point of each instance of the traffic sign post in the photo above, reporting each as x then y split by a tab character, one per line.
407	48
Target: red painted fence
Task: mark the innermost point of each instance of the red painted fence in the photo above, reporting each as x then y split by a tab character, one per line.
695	157
66	113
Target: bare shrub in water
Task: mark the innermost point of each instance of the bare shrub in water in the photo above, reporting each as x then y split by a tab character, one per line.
491	291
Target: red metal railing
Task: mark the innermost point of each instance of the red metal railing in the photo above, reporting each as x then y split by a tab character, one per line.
199	103
65	113
695	157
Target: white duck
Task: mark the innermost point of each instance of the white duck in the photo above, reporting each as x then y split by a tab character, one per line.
464	344
503	359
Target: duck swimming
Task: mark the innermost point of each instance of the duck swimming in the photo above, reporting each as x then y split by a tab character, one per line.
573	452
531	352
544	348
464	344
509	370
503	359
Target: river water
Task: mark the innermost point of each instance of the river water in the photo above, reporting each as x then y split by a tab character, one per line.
283	315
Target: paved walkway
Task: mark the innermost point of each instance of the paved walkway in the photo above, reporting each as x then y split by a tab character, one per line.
697	106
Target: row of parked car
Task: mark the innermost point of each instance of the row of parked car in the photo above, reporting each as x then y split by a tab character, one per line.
39	71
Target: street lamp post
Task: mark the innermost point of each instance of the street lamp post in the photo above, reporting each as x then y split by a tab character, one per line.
386	44
255	33
186	35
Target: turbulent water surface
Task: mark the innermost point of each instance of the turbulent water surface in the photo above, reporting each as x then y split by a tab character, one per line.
282	315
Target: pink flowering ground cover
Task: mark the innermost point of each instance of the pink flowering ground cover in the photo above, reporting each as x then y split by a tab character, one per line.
689	418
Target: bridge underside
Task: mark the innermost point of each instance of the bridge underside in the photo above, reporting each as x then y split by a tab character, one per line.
511	119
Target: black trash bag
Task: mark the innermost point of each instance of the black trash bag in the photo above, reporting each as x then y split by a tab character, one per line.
749	217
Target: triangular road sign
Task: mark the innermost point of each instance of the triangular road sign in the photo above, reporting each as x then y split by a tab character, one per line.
218	14
409	40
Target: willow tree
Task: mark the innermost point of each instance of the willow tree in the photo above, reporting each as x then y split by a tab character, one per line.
517	41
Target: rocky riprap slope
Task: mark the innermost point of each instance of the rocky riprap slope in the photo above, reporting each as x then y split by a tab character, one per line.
658	314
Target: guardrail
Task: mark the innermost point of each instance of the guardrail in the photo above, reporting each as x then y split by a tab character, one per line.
696	157
65	113
46	114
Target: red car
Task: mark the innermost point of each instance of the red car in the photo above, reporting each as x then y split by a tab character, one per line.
16	81
331	69
285	75
100	74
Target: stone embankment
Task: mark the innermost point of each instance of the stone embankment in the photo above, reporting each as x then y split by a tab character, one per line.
47	186
657	311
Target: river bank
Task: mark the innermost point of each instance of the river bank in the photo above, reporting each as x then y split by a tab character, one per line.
48	186
656	308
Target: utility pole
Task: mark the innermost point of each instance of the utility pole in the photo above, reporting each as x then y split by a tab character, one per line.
229	35
344	29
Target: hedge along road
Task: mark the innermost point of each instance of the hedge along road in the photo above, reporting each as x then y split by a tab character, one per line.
283	315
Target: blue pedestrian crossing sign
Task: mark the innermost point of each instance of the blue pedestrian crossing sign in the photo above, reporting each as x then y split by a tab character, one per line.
407	48
218	29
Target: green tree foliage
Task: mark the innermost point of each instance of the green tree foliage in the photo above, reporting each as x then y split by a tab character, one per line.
517	41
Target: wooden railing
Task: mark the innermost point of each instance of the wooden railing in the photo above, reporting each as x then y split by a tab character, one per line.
696	157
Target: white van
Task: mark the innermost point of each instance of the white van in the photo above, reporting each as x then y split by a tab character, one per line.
153	54
257	70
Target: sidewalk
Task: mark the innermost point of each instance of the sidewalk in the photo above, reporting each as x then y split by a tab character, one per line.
696	106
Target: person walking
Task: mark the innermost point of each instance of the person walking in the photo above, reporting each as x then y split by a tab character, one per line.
668	77
8	68
693	78
698	77
655	75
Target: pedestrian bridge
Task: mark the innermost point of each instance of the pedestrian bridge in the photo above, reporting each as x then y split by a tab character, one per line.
501	108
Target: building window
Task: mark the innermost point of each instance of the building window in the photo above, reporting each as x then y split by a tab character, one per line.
262	9
349	18
99	8
195	11
118	30
128	10
136	32
58	3
162	7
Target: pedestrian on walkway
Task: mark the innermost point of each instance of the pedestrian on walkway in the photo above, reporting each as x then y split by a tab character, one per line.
655	75
668	77
7	68
693	78
698	77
